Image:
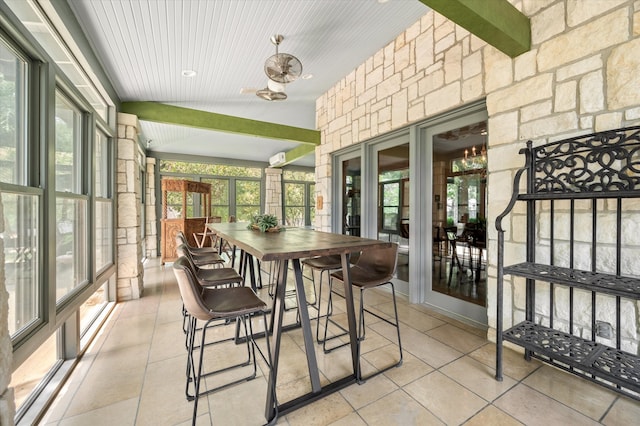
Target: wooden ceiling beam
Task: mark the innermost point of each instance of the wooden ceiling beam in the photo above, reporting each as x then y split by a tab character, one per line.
170	114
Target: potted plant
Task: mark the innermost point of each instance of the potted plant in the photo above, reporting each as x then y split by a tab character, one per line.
265	223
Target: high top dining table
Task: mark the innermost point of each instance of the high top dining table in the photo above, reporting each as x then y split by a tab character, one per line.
292	245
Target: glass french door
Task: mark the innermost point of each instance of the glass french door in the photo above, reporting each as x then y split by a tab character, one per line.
457	155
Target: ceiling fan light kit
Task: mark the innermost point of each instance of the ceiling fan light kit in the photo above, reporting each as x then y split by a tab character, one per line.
281	68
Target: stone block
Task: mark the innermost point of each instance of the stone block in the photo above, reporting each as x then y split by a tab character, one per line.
548	23
442	99
520	94
583	41
577	13
424	50
636	24
389	87
413	31
623	79
399	103
632	114
432	81
127	210
591	92
498	69
472	65
532	7
525	65
472	88
401	58
125	119
552	125
505	157
453	64
126	149
131	133
441	45
535	111
416	112
579	68
608	121
566	96
586	122
503	128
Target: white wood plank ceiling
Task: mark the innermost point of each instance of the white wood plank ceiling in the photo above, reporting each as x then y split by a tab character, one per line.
145	45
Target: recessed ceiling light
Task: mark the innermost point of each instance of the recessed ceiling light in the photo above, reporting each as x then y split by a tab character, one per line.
382	1
307	76
188	73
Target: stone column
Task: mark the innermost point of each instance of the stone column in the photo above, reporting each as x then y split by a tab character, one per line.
273	193
150	206
7	400
130	270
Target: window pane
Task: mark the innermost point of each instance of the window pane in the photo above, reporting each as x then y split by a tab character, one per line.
247	200
71	245
102	153
294	216
12	117
247	192
202	169
219	197
20	242
26	378
104	234
294	194
93	306
312	203
68	154
246	214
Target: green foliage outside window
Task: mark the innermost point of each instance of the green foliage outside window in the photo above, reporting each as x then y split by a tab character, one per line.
202	169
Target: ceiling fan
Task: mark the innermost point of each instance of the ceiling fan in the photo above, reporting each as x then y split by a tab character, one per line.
281	68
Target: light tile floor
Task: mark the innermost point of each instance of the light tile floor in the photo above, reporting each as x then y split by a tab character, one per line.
133	374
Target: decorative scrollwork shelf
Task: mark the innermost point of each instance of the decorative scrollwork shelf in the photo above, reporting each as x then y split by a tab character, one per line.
581	298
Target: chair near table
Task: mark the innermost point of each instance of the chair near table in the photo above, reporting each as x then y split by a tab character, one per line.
229	305
374	268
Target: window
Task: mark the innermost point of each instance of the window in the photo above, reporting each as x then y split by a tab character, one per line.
235	190
71	204
22	274
393	199
299	198
20	204
247	199
104	203
219	197
13	90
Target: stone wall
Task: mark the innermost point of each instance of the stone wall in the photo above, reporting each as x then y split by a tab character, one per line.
130	270
273	193
580	76
7	401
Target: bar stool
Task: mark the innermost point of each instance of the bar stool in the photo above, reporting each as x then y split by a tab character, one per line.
374	268
322	264
219	304
205	256
210	277
207	278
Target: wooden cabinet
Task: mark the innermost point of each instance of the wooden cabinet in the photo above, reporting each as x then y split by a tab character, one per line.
188	225
580	278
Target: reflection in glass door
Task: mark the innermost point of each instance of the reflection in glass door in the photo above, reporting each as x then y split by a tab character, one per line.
393	202
459	219
351	196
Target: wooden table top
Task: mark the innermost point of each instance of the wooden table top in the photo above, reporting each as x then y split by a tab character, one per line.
291	243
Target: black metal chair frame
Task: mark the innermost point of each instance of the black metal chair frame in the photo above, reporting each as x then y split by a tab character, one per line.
241	313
